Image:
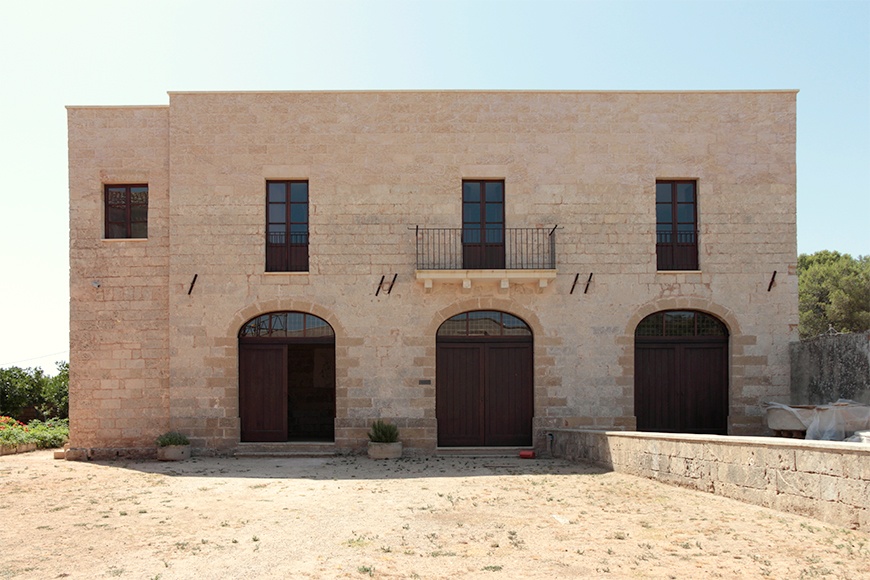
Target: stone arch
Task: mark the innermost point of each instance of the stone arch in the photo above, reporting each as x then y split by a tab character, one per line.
681	382
302	419
485	389
283	304
485	303
726	315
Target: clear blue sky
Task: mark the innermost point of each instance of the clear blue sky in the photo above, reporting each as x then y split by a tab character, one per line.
116	52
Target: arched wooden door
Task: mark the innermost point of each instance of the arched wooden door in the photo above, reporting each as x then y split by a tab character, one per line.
681	373
484	381
287	378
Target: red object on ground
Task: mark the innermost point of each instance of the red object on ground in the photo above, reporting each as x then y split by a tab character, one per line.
527	454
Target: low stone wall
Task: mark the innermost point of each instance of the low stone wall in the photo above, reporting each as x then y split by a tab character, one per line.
109	453
829	481
13	449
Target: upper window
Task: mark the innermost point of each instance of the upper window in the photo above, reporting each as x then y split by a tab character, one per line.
483	224
286	325
676	225
680	323
286	226
484	323
126	211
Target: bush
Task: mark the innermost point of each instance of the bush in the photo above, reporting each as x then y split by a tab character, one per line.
383	432
46	434
172	438
20	388
833	293
12	432
50	433
29	389
55	393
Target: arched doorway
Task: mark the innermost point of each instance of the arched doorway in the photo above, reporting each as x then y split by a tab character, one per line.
484	380
681	373
287	378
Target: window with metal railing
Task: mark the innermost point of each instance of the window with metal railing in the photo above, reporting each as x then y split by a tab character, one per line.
287	226
676	225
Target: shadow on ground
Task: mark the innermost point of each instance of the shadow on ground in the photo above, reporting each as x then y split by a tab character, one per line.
354	467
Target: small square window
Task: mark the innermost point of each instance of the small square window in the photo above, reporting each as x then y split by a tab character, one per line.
126	211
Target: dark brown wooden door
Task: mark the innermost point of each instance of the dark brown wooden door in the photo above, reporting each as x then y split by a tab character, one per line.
287	377
508	394
263	392
459	397
484	393
311	392
681	386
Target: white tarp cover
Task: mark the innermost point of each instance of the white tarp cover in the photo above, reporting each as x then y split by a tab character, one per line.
835	422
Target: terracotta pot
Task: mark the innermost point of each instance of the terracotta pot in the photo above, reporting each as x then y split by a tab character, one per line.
385	450
173	453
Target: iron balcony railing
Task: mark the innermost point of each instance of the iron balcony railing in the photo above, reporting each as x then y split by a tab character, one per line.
676	237
486	248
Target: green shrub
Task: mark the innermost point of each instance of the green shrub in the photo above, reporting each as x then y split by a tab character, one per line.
383	432
49	434
12	432
46	434
172	438
20	388
55	394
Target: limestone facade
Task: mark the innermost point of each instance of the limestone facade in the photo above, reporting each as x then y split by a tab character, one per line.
151	350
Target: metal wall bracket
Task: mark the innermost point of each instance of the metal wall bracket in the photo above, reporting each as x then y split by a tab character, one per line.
390	287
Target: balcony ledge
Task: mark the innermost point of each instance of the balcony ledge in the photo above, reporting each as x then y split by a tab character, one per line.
504	278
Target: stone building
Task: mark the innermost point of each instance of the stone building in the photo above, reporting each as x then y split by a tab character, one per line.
476	267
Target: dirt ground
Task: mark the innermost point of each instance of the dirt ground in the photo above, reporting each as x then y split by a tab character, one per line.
351	517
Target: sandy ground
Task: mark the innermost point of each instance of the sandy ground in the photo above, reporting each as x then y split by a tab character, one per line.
351	517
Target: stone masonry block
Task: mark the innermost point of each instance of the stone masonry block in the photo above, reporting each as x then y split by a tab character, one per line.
811	461
854	493
798	483
743	475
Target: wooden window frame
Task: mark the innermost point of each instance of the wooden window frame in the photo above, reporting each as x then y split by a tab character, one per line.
129	220
677	249
703	326
260	329
464	322
291	254
483	239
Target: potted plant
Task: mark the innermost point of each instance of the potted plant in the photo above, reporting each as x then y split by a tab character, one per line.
384	441
173	446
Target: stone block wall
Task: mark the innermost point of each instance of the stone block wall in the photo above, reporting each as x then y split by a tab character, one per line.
829	481
119	299
828	368
379	164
